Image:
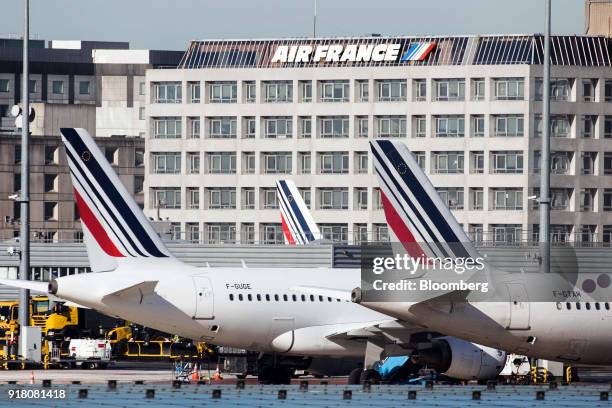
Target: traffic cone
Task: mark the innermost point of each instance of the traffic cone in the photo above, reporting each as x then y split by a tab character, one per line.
32	378
195	376
217	375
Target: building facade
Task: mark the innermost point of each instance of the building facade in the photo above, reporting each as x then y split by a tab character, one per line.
94	85
235	116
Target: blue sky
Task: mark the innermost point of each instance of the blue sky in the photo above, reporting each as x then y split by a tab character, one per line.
170	24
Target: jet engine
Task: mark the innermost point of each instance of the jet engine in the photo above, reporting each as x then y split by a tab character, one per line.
461	359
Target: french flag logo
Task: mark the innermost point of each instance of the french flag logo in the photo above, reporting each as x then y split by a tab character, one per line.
418	51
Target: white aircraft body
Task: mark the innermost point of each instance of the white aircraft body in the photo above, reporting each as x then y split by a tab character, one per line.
577	328
271	310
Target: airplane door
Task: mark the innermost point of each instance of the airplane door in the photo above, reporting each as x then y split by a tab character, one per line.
281	325
519	307
204	298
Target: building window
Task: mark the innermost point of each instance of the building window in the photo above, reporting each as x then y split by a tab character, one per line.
277	163
477	125
139	157
193	128
478	89
450	126
334	232
305	130
166	197
194	92
361	124
608	90
271	234
193	162
507	162
305	193
250	91
220	233
448	162
607	163
334	91
193	198
420	159
51	155
559	162
361	198
250	127
270	198
57	87
588	89
508	199
5	85
222	127
193	232
223	92
391	90
167	128
166	162
560	198
221	198
508	125
84	87
333	198
476	233
167	92
221	162
361	162
333	127
111	154
377	199
420	90
476	198
419	125
363	90
477	162
390	126
305	165
587	126
32	86
381	232
587	162
305	89
50	210
506	233
50	181
449	89
509	88
360	233
278	128
278	91
607	127
334	163
607	199
452	197
587	199
560	126
138	184
248	163
142	88
248	198
607	239
141	113
560	89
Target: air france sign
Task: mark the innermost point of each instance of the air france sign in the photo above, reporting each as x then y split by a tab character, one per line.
351	53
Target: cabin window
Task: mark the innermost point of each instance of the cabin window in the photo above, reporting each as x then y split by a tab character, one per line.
294	297
231	297
240	297
303	298
312	298
588	306
578	305
276	298
597	305
267	297
568	305
607	306
249	297
285	298
258	297
329	299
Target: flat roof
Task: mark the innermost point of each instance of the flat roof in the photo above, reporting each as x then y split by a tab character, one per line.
496	49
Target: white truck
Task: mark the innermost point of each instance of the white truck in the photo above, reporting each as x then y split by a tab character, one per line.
90	353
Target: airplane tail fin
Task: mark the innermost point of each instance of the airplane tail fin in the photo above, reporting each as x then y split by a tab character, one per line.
114	227
415	213
299	227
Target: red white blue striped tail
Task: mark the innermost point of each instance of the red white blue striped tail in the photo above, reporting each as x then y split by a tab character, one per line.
299	227
415	213
418	51
114	227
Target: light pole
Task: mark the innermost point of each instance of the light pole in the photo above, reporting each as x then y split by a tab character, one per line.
24	197
544	238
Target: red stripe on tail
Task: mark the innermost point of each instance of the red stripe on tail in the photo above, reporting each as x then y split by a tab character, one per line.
400	229
286	231
96	229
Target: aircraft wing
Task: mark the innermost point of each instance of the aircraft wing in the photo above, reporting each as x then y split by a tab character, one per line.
138	290
37	286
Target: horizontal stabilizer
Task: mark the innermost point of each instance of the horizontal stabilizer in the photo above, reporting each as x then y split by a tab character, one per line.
37	286
341	294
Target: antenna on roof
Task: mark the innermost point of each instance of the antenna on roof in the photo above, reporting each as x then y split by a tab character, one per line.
314	23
